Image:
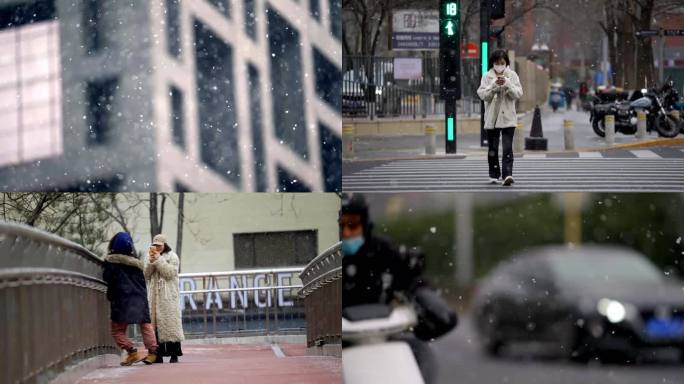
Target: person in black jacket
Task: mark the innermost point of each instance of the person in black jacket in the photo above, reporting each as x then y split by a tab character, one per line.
376	272
126	291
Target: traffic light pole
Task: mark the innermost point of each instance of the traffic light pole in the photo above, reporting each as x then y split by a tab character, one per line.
450	65
484	56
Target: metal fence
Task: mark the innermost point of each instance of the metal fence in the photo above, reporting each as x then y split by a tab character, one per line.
53	307
322	294
370	89
242	303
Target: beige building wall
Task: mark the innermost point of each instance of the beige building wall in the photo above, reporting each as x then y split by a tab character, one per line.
212	219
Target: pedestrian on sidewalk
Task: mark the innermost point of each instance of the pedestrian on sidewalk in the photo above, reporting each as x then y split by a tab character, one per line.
499	89
127	293
161	274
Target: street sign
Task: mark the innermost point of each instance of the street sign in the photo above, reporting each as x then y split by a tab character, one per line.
647	33
674	32
471	51
414	29
450	65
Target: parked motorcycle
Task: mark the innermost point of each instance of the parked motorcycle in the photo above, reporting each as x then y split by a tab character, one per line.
625	112
371	355
672	103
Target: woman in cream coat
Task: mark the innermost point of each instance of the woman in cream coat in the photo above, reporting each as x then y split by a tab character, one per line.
161	275
499	89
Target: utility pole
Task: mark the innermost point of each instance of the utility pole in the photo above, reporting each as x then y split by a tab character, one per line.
489	10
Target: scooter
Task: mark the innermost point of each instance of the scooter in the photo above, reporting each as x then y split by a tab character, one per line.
372	354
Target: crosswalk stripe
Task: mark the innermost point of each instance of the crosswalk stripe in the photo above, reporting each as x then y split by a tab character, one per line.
588	155
534	156
645	154
645	173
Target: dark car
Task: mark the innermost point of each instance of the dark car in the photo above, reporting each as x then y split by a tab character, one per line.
584	300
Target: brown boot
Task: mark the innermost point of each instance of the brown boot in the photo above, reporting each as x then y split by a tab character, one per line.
133	357
151	358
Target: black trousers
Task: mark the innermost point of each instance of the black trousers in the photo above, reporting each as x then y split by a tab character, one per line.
495	171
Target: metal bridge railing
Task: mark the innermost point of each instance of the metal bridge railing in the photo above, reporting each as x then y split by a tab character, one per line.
242	303
53	308
322	294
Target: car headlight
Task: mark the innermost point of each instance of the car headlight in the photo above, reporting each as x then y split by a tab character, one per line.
613	310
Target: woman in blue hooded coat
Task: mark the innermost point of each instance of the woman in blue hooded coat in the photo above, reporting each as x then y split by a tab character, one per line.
127	293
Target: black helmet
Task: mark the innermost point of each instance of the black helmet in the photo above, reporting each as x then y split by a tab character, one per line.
356	203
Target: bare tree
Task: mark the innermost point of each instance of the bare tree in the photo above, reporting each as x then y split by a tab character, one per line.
156	213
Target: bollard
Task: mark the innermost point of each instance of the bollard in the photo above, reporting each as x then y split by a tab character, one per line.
430	140
347	141
641	125
569	135
610	129
519	138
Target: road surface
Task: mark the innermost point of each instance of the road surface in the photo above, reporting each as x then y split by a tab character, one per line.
461	362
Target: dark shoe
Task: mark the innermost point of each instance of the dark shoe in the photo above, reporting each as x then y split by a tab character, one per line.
508	181
174	359
151	358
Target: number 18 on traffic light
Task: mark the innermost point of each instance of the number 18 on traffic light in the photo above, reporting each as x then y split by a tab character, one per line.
450	64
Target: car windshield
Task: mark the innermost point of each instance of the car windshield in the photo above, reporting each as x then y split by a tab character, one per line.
608	268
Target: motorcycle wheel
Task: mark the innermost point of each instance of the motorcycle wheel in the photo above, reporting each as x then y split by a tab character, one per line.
599	127
667	126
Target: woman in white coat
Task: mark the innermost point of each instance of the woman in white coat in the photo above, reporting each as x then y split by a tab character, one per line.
500	88
161	275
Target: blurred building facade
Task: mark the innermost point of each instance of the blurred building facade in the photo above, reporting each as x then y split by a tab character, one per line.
225	232
171	95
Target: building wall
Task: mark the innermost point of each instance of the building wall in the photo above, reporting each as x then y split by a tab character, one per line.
212	219
141	154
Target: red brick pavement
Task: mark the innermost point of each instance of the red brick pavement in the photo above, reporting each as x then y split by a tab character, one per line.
234	364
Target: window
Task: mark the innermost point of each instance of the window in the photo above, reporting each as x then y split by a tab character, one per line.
216	103
331	153
328	80
30	84
177	117
94	39
289	183
250	18
315	9
100	103
274	249
222	5
336	18
286	77
173	28
257	129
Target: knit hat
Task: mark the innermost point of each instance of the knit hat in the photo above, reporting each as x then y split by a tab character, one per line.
121	244
159	240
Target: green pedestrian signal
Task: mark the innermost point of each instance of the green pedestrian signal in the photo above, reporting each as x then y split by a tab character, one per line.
450	28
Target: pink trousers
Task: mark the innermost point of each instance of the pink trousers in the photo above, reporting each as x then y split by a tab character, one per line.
119	335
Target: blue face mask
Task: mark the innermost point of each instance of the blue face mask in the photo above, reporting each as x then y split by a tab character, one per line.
352	245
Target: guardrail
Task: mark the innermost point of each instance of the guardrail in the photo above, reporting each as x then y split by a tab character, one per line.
242	303
322	294
53	307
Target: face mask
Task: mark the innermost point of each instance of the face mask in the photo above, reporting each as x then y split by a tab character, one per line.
499	68
352	245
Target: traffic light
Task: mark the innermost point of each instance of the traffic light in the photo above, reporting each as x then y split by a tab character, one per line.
450	48
450	64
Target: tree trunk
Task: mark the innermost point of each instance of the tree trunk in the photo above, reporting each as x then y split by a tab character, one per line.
645	71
